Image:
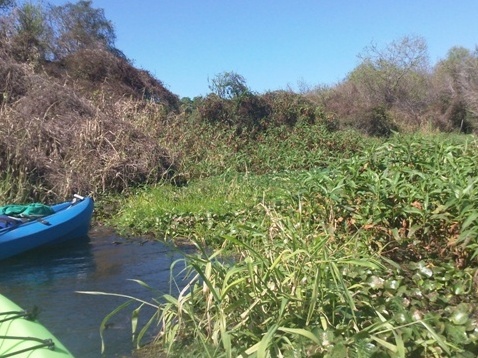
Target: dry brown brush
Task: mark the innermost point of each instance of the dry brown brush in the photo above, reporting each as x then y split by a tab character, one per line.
59	135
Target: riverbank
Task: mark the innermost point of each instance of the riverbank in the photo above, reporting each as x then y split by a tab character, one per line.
375	254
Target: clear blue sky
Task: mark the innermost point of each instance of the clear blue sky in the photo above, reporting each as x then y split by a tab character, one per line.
276	43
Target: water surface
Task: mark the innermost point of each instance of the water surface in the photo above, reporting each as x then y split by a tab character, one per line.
49	278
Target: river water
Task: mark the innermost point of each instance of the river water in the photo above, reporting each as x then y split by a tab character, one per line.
49	279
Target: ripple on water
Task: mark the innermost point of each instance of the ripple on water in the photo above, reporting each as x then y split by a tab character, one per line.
104	262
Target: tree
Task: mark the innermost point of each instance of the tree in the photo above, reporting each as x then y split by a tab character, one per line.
6	4
468	79
79	26
455	62
25	32
456	87
395	75
449	72
228	85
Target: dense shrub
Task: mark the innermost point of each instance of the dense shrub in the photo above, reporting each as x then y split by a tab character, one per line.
54	141
213	109
92	68
395	87
251	110
454	86
245	112
376	121
259	112
14	82
289	108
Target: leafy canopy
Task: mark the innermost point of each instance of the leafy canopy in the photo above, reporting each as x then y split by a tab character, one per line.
78	26
228	85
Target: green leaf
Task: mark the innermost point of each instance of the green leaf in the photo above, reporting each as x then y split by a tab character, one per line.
400	344
103	325
134	321
459	317
470	220
302	332
145	328
385	344
266	341
226	339
369	263
443	344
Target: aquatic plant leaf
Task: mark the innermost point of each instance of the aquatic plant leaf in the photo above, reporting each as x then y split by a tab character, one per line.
103	325
302	332
385	344
443	344
459	317
392	285
266	341
424	270
470	220
456	334
97	293
144	329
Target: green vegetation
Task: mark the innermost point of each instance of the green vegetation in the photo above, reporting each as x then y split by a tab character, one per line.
338	222
371	255
77	116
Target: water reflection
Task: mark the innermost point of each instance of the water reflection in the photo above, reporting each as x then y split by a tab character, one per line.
43	265
49	279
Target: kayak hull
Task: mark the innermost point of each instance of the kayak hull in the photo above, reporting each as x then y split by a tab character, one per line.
21	337
70	220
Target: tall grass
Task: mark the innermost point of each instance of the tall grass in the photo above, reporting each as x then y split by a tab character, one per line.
283	289
211	149
274	298
14	188
375	256
405	193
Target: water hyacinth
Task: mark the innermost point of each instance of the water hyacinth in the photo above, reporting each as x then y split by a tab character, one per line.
374	256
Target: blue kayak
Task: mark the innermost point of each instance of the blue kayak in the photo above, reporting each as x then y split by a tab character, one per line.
69	220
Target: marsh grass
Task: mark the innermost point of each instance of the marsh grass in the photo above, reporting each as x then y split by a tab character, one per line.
202	205
211	150
14	187
373	256
282	291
